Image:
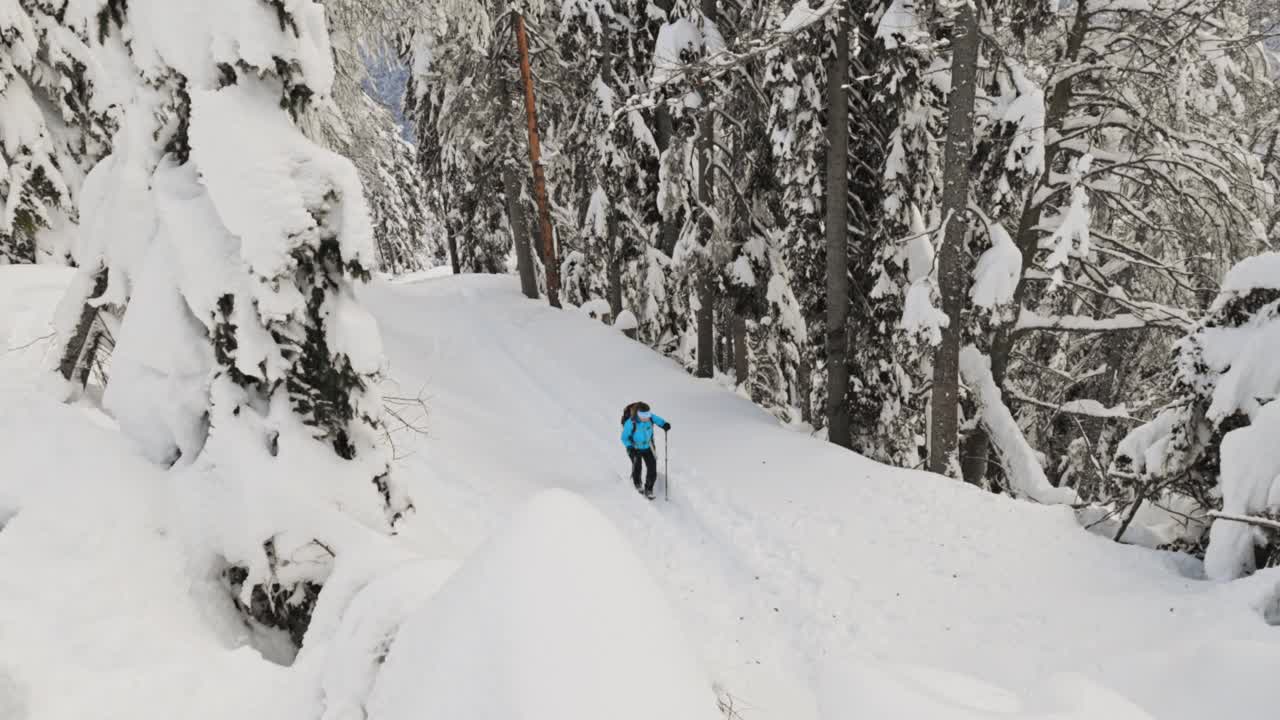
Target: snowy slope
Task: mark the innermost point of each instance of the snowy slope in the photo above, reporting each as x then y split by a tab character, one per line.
809	582
816	583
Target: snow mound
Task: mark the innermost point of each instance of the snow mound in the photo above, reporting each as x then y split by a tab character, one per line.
626	321
554	619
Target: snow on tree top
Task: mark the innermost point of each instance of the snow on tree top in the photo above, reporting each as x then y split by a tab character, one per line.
266	178
195	37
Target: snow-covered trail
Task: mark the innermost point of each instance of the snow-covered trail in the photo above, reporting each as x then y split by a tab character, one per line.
813	582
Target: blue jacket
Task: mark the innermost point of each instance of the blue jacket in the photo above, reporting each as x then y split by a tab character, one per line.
638	434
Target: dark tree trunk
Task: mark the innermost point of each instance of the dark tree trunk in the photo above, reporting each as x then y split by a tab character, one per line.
837	231
706	287
78	353
741	358
664	132
706	323
804	386
665	127
614	269
519	233
454	263
951	272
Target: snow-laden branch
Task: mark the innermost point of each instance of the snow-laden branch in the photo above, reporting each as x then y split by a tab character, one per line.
1032	320
1082	408
1026	476
1270	523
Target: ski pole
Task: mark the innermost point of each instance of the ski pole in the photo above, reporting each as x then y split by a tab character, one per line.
666	465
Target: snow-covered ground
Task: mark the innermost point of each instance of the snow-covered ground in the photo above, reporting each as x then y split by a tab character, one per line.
795	579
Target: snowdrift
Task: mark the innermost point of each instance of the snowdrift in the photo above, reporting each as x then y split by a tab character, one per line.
29	295
555	619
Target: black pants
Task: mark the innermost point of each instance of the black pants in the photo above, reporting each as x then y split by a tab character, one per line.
651	466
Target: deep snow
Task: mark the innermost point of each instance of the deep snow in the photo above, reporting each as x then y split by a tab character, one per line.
808	581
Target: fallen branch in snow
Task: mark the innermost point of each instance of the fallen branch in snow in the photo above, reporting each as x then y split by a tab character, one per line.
725	701
16	348
395	406
1265	522
1140	497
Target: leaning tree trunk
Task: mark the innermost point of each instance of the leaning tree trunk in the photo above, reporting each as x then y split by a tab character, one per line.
82	346
944	426
837	231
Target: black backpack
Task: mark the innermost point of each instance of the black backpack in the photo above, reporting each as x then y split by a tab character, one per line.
626	412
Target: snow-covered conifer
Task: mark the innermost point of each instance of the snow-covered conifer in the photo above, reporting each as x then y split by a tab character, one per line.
54	129
236	247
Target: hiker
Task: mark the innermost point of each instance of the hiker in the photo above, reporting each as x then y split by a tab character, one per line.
637	438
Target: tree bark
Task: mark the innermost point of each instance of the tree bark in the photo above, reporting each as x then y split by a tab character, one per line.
519	232
837	232
614	271
951	274
550	263
741	359
706	290
77	354
804	386
454	264
665	131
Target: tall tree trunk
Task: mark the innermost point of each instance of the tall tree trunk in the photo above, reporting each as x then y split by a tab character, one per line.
613	270
454	263
665	131
705	286
977	445
804	386
837	230
741	358
706	322
550	263
519	232
951	273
